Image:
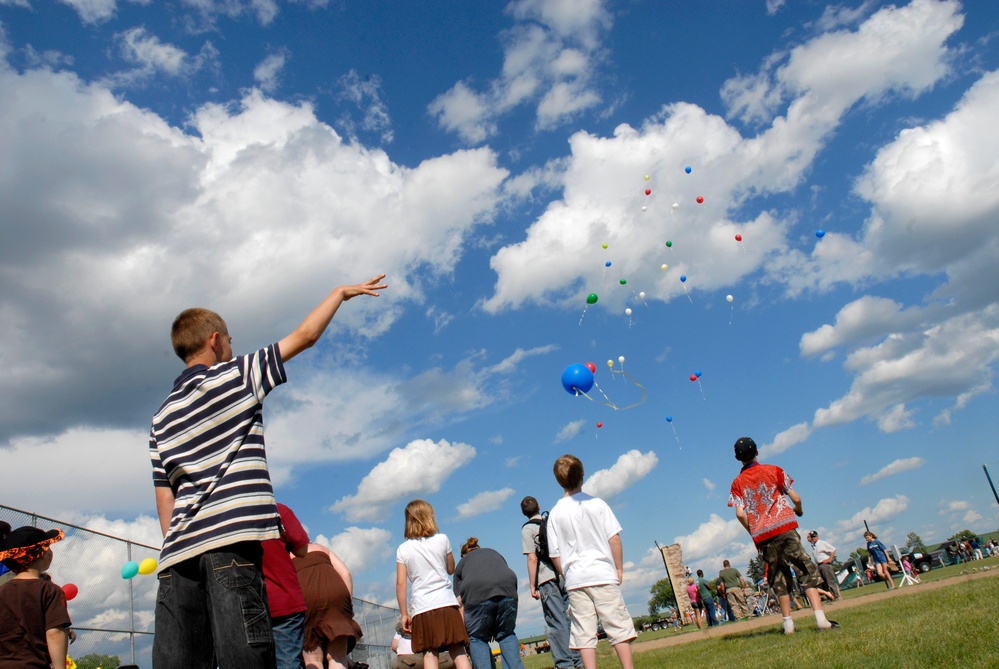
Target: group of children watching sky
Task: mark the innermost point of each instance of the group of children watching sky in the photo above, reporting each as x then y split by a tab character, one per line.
216	505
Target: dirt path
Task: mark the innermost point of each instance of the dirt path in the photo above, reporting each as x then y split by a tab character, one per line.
804	617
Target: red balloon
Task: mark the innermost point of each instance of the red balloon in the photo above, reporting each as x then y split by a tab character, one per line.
693	377
70	591
738	238
648	191
593	368
700	200
600	424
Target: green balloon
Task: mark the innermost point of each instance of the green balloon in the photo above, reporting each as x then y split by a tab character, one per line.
624	281
669	244
591	298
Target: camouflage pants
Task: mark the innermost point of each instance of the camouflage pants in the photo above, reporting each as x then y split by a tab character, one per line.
783	554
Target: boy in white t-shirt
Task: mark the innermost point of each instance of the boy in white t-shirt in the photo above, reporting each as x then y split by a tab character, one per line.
584	542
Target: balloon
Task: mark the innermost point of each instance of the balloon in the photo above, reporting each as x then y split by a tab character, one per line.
648	176
664	267
591	298
687	169
621	359
129	570
604	245
607	264
683	278
610	363
147	566
738	238
624	281
627	312
669	419
593	368
697	373
644	208
693	377
669	244
676	205
641	295
70	591
700	199
577	379
820	233
599	424
648	191
729	298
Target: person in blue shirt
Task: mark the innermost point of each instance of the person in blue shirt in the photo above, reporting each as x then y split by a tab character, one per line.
879	556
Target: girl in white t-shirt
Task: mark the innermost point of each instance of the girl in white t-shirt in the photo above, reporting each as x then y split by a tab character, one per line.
426	561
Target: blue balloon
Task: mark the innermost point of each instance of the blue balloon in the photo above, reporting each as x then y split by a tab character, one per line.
669	419
607	264
577	378
820	233
687	169
129	569
697	373
683	278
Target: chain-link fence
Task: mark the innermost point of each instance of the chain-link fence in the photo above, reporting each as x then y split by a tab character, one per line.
113	616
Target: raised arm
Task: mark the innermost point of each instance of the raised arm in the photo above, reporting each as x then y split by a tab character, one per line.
312	328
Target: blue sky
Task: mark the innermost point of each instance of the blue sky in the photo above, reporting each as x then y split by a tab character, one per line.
249	156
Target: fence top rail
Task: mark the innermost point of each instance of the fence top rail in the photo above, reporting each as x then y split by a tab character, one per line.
63	523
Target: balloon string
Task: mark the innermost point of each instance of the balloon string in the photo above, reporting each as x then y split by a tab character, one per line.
608	403
685	292
581	316
677	436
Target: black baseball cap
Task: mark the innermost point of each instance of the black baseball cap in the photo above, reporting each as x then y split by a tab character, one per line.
745	449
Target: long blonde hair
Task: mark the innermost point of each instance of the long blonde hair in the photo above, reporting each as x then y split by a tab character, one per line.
420	520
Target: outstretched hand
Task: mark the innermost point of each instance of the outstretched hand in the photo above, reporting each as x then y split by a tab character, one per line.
369	287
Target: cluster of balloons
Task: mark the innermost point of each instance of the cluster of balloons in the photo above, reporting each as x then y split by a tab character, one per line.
131	568
696	375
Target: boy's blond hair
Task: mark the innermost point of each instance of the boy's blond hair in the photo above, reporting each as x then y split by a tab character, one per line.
192	328
420	520
569	472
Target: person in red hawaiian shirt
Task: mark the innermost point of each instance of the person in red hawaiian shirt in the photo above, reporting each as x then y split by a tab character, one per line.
760	495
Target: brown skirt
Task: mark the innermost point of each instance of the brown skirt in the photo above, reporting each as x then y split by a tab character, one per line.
438	629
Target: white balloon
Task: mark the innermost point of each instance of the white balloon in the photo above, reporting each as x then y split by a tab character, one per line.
621	359
664	267
645	208
676	205
627	312
729	298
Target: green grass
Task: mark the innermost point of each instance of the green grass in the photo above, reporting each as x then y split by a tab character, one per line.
952	626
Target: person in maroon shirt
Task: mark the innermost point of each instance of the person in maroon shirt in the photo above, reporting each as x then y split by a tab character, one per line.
284	594
34	621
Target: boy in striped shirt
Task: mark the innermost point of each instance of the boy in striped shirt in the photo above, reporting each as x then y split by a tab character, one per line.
213	491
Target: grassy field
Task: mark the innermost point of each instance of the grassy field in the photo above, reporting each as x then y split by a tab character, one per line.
953	626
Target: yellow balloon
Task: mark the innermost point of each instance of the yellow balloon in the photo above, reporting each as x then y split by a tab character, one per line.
664	267
648	176
147	566
610	363
604	245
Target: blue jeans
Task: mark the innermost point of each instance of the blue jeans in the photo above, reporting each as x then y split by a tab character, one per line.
211	611
709	608
555	604
289	639
493	618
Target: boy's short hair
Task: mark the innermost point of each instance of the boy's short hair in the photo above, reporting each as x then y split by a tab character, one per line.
568	471
530	507
191	328
420	520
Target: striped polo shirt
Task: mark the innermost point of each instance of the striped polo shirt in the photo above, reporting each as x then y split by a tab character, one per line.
207	445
